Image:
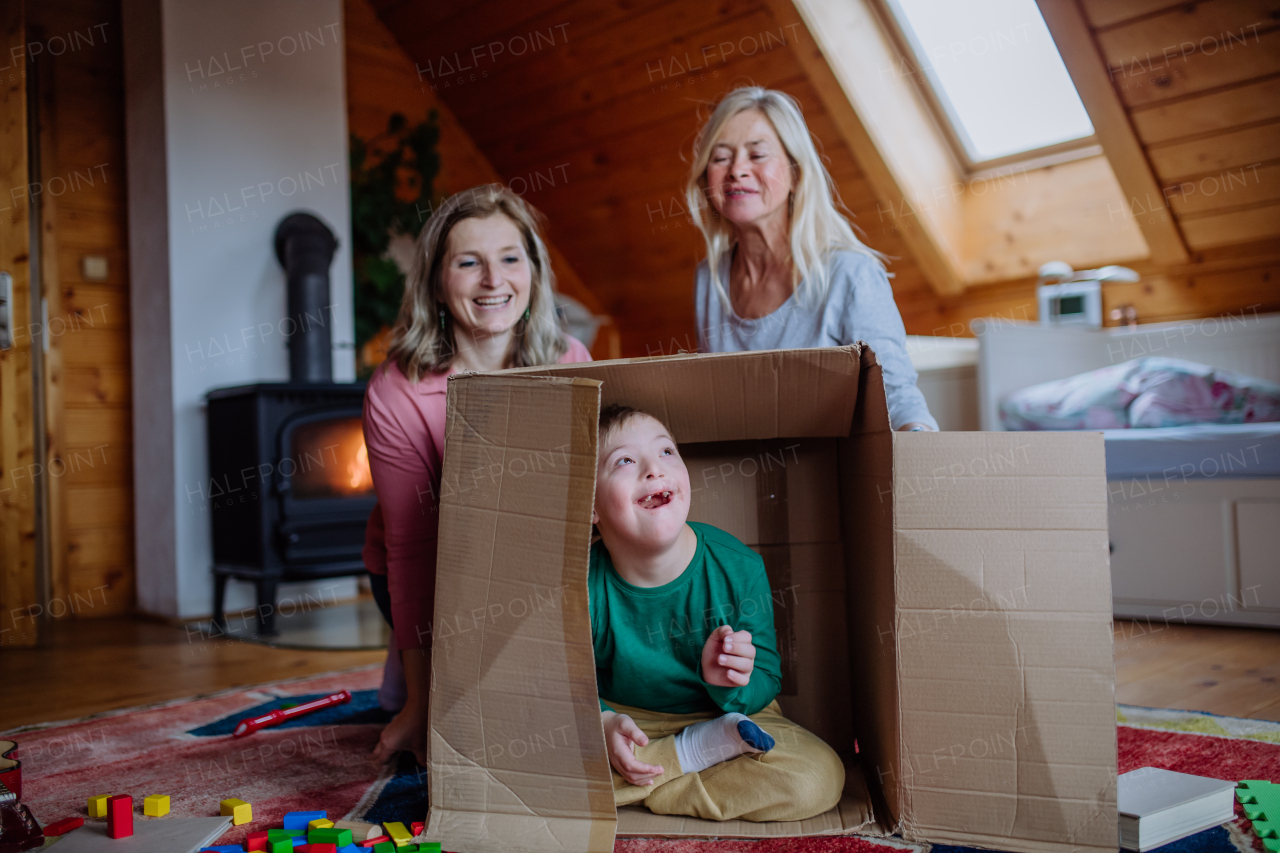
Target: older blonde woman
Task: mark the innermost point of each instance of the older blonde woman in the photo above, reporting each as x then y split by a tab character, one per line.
479	297
783	268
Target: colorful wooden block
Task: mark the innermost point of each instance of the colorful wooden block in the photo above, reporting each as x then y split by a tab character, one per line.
277	834
377	839
223	848
429	847
384	847
322	847
256	840
351	848
416	827
320	823
398	832
281	845
63	826
299	820
331	835
120	816
360	830
239	811
156	805
98	805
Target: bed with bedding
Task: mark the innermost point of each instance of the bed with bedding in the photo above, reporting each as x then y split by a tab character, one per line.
1194	508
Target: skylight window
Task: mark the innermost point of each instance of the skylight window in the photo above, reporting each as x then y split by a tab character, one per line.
996	76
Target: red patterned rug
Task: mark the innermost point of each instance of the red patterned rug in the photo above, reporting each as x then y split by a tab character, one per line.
321	761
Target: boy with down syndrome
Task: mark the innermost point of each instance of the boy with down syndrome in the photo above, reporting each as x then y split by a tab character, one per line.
687	664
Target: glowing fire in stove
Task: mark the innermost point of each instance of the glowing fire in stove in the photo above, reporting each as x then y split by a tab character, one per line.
361	478
330	460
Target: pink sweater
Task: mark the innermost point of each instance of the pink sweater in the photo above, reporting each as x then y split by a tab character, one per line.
404	434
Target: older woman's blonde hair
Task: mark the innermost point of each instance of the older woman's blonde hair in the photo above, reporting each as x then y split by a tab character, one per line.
817	228
423	338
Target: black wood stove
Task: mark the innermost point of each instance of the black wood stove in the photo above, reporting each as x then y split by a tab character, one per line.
290	490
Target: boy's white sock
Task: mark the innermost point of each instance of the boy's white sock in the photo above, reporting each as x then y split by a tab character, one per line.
706	744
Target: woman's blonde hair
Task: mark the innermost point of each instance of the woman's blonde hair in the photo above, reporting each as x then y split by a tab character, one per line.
423	339
817	228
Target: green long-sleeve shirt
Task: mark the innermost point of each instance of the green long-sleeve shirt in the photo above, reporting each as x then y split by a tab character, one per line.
648	640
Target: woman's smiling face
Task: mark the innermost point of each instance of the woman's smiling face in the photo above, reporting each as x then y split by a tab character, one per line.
749	175
642	486
486	276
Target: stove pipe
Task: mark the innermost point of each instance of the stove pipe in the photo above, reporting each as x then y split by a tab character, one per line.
305	247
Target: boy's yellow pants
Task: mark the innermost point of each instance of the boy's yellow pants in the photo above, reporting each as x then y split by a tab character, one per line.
797	779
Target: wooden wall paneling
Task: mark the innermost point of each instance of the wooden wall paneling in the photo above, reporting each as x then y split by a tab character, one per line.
94	346
18	583
381	80
1221	109
1244	292
1159	80
1229	189
623	79
1205	155
1024	220
661	44
1111	123
590	103
54	332
1176	33
1105	13
1226	229
87	119
102	506
98	384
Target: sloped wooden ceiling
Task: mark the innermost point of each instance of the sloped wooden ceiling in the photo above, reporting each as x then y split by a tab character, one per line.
597	119
589	107
1198	81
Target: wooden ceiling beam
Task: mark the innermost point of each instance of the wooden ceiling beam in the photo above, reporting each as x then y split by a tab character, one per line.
1088	69
827	25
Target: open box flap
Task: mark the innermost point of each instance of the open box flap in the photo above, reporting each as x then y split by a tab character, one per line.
1002	631
733	395
516	747
865	460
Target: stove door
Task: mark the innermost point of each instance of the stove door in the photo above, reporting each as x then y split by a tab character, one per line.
325	488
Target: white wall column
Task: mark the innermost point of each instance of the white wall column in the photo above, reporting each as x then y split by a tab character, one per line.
236	116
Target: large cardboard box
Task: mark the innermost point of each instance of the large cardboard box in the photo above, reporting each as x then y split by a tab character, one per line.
942	600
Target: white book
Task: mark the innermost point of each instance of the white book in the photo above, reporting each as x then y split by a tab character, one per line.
1158	806
156	835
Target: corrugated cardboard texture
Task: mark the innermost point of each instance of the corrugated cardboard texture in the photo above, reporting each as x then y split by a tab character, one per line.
865	461
774	495
517	749
968	573
1003	637
733	395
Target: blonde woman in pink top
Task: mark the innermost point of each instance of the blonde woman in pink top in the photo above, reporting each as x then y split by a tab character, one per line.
478	298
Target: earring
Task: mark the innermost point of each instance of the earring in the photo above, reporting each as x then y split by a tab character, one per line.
526	315
442	319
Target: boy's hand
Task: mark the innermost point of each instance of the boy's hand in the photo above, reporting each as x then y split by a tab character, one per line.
620	732
728	658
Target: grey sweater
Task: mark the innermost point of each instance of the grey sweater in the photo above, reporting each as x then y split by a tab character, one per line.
859	307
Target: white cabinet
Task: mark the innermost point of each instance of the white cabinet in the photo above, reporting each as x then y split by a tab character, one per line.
1196	551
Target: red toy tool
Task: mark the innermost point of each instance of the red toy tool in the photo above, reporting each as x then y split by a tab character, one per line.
249	725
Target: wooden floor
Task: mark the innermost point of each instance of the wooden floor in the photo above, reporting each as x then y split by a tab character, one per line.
93	665
1230	671
105	664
